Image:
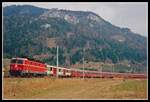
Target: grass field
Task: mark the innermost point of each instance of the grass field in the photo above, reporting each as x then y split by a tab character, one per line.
51	88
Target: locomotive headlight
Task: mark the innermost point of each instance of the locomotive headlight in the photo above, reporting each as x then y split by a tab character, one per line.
15	65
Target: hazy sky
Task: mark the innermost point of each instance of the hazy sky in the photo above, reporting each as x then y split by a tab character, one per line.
133	15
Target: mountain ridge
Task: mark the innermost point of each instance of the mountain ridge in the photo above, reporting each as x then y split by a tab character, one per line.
39	33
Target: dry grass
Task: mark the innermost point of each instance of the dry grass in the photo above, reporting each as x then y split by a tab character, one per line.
51	88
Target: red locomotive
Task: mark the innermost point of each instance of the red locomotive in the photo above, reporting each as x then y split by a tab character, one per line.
26	67
23	67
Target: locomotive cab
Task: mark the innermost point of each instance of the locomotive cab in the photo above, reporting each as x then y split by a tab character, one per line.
16	66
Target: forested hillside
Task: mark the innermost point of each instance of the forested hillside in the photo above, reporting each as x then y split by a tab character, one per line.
35	32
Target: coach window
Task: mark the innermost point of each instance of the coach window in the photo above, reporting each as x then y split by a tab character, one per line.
50	68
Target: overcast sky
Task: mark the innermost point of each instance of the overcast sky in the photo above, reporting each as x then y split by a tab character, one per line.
133	15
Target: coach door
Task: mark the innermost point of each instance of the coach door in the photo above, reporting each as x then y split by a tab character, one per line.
54	71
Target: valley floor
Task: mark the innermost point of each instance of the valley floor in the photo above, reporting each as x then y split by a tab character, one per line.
51	88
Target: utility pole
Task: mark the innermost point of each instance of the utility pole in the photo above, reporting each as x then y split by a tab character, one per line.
113	67
57	62
83	63
102	71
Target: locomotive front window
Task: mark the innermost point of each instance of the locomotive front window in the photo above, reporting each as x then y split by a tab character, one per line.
14	61
17	61
20	61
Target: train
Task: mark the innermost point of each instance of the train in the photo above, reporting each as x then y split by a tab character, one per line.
25	67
